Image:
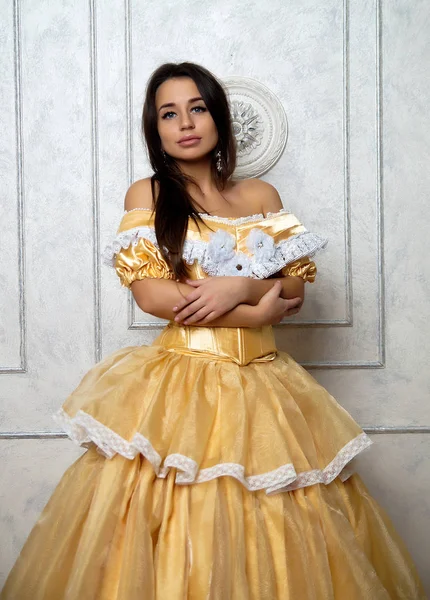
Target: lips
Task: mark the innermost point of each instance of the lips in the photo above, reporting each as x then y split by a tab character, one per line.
189	137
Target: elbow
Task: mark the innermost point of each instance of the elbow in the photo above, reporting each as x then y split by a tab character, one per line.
143	296
302	293
152	297
301	288
298	289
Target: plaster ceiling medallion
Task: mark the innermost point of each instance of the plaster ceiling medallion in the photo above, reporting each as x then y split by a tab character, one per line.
259	124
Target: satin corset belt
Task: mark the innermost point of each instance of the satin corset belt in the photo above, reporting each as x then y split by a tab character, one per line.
241	345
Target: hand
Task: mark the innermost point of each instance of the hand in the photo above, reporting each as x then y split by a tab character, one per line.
271	308
213	297
295	308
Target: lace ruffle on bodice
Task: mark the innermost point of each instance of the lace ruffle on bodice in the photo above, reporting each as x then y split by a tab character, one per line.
256	246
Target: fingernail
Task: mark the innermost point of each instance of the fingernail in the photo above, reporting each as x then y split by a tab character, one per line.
175	308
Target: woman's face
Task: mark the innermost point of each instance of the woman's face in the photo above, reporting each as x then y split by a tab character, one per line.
185	116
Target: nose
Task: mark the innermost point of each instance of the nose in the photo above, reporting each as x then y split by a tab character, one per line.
186	121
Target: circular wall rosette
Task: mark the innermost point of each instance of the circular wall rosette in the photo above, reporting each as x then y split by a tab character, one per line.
259	124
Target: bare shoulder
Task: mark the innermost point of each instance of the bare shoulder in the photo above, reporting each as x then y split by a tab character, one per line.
139	194
263	195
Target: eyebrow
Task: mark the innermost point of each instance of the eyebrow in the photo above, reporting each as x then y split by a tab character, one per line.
173	104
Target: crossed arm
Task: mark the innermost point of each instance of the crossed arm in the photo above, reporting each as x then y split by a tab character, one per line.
221	301
235	299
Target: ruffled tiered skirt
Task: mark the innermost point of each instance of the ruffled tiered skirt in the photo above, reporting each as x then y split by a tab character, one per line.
217	468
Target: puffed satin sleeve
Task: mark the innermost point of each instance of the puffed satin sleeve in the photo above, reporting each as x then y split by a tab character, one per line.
304	268
140	260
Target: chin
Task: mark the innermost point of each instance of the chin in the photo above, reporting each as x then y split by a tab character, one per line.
189	156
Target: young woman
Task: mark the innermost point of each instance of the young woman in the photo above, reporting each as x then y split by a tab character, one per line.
216	466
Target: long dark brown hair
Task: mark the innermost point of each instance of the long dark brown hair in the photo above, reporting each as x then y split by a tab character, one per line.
174	205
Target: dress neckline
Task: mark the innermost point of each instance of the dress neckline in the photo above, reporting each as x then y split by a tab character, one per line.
230	220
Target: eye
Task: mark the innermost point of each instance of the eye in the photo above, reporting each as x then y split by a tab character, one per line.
170	112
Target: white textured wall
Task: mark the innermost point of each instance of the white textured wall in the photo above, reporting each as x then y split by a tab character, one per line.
354	80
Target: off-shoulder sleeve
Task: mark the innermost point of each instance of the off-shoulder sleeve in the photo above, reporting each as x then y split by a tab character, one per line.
134	253
304	268
141	260
281	244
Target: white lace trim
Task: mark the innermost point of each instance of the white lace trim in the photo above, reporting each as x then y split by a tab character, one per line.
336	467
138	208
84	430
229	220
124	239
217	261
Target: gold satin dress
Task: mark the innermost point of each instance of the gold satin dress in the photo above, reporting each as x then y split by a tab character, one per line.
217	468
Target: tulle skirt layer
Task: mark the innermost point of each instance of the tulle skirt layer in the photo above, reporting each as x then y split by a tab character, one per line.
269	425
206	478
112	530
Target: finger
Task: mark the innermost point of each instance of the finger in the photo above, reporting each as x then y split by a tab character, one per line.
297	300
210	317
189	310
275	289
186	300
200	314
293	302
195	282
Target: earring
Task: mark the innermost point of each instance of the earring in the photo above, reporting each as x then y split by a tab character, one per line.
218	162
164	156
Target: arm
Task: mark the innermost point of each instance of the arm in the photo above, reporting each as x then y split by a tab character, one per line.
292	287
214	297
158	296
153	299
254	312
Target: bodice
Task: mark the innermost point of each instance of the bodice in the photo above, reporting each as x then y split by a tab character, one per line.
256	246
241	345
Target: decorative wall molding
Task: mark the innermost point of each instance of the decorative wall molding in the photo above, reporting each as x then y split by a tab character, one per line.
375	429
247	126
22	367
260	125
348	321
244	91
230	82
95	183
